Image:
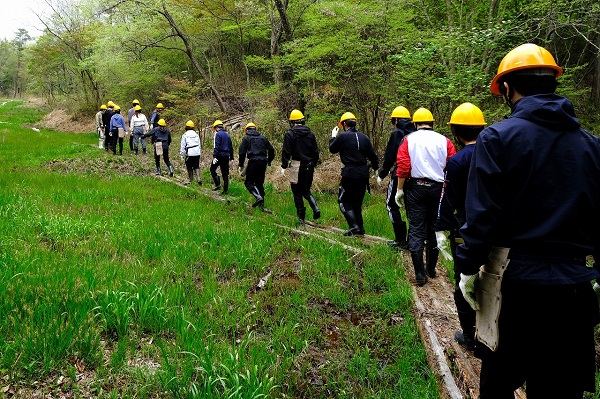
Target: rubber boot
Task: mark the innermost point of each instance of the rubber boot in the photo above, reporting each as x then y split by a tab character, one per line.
144	151
217	185
466	318
359	222
313	205
353	228
171	170
399	235
158	171
260	201
225	185
198	179
420	276
301	212
432	258
465	341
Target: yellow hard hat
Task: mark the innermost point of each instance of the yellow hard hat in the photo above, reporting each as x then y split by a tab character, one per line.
422	115
296	115
526	56
103	106
117	108
467	114
189	124
137	108
218	122
400	112
136	101
346	116
249	125
159	105
161	122
110	104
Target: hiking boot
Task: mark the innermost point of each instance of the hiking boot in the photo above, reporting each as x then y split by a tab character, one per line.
466	342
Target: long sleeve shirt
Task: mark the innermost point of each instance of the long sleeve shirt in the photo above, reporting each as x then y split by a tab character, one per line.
99	123
117	121
356	153
139	120
190	144
423	155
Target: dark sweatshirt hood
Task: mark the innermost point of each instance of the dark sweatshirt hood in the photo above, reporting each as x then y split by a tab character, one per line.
300	130
549	110
252	132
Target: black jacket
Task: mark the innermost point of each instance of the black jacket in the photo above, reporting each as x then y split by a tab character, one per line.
257	147
356	152
391	150
299	144
106	118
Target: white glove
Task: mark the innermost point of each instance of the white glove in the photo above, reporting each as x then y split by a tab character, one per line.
468	287
597	290
240	170
335	131
282	172
379	180
398	197
442	242
215	160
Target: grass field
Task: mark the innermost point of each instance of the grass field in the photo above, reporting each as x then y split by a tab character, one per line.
125	286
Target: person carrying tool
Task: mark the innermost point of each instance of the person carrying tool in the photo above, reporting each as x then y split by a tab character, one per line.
421	160
100	125
466	123
130	114
533	207
190	149
138	124
357	154
118	128
222	154
400	119
259	151
161	138
106	116
155	117
300	153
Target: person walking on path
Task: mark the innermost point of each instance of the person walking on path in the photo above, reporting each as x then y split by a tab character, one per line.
106	116
357	154
138	124
190	149
466	123
161	138
400	119
300	153
100	125
222	154
117	122
155	117
533	206
259	151
130	114
421	160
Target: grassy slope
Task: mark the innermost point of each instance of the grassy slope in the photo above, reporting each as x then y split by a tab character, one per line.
125	286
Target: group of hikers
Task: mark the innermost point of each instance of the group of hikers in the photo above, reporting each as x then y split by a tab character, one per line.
520	201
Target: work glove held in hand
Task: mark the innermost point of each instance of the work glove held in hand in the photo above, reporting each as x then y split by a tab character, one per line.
215	160
379	180
334	131
240	170
398	197
282	172
468	287
440	238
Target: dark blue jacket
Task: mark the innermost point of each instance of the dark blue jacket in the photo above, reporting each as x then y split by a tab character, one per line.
223	145
451	215
391	150
534	187
256	147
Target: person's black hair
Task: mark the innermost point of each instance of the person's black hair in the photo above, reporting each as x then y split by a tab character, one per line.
467	133
351	123
189	128
528	83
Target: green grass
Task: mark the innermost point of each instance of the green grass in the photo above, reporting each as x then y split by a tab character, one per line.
126	286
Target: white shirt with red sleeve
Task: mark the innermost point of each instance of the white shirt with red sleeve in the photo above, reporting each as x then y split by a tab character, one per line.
423	155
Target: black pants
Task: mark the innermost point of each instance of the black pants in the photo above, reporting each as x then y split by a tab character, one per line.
107	138
131	142
422	203
466	314
351	195
546	341
165	156
255	178
390	202
223	163
301	189
113	142
192	162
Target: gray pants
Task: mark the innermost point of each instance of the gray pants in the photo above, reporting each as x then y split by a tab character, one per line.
138	131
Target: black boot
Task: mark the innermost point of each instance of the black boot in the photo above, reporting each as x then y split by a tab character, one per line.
217	185
313	205
353	229
465	341
301	212
432	258
400	236
225	185
260	201
420	276
171	170
158	171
